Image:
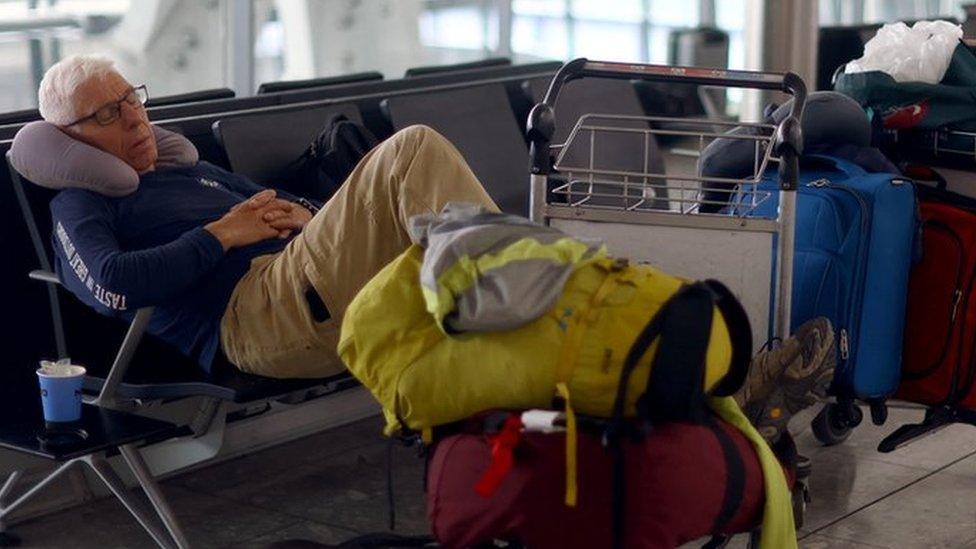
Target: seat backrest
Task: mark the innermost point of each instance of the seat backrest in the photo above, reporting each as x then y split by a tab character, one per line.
631	152
195	120
407	85
479	121
34	204
200	108
190	97
600	96
457	67
18	118
262	145
310	83
837	46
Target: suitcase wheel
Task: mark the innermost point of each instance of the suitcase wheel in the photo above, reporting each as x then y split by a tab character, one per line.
879	412
835	421
801	497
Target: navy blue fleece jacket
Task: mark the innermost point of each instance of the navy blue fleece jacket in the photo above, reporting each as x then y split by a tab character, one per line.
150	249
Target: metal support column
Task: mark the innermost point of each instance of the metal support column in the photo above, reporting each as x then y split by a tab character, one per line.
239	39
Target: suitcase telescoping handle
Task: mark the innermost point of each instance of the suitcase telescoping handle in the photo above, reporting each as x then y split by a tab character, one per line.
787	142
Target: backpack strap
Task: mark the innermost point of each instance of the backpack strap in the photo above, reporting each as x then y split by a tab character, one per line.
735	477
684	325
674	386
740	333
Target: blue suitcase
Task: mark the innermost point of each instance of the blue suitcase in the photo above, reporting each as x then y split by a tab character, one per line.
853	251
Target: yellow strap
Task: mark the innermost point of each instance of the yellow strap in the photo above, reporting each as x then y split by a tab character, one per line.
575	331
564	371
778	529
571	489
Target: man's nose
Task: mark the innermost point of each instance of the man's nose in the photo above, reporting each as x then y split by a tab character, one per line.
131	115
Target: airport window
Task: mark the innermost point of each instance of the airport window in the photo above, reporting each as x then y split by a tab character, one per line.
857	12
561	29
179	46
172	47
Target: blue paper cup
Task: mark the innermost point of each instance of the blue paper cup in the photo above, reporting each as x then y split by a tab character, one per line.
61	392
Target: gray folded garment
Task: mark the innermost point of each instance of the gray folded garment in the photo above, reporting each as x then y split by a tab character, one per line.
503	297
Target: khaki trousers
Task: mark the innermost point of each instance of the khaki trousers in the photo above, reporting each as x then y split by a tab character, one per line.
268	327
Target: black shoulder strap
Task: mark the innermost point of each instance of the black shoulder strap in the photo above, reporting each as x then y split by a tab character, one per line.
684	325
735	477
687	296
674	387
740	332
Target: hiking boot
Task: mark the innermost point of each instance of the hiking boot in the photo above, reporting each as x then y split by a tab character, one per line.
788	379
766	367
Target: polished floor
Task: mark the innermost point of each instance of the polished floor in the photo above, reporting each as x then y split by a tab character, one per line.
332	486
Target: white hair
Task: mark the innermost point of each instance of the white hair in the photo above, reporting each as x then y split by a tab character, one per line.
56	95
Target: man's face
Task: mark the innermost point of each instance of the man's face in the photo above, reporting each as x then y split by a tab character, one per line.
130	137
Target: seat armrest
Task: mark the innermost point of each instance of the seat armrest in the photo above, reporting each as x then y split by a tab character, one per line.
44	276
106	397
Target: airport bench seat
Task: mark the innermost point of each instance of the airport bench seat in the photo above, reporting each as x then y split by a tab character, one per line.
107	432
143	370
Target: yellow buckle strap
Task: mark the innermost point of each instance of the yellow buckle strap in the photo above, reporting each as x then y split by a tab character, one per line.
571	488
564	371
575	331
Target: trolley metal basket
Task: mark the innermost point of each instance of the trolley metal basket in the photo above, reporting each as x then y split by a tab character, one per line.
660	216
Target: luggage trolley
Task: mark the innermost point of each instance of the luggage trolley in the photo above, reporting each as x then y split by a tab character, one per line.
657	217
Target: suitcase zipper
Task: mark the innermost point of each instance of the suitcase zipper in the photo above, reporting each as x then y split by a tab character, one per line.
957	296
853	319
961	390
845	348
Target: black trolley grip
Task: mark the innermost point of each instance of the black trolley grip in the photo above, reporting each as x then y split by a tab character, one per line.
787	140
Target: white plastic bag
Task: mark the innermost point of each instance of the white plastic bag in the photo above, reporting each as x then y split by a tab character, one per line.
917	54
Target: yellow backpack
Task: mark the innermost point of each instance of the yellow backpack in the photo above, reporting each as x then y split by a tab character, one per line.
424	377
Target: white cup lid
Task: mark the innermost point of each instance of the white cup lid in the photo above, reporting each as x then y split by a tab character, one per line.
59	369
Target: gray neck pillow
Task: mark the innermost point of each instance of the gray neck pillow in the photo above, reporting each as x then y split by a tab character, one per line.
45	155
830	119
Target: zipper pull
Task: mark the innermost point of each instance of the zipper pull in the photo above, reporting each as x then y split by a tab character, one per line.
956	298
845	347
818	183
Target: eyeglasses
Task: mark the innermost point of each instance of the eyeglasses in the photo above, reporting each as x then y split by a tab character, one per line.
109	113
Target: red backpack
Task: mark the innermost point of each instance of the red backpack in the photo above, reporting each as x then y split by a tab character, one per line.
684	481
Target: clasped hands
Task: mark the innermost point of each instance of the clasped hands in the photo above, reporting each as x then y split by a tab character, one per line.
258	218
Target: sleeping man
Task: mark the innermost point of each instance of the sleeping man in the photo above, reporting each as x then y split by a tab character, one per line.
265	277
228	264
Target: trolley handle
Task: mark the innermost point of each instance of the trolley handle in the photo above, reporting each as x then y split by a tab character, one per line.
787	141
584	68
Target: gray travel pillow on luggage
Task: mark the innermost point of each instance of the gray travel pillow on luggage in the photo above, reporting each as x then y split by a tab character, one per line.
47	156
